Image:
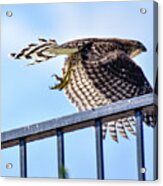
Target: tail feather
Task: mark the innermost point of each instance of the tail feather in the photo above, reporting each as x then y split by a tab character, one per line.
104	130
37	52
132	120
121	128
146	118
150	118
128	126
113	131
128	123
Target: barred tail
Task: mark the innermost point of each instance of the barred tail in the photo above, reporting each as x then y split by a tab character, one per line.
104	130
113	131
150	118
128	123
129	126
37	52
121	128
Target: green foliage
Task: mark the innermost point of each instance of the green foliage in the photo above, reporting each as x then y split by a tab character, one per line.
63	172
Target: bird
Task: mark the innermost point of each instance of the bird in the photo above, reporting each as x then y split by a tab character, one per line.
96	72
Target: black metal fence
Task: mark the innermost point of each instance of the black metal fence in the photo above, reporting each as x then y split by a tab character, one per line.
135	106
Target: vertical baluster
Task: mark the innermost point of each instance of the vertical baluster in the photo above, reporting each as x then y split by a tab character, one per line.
99	150
140	145
23	158
60	148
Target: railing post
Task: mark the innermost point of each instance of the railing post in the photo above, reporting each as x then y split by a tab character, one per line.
60	148
99	150
140	145
23	158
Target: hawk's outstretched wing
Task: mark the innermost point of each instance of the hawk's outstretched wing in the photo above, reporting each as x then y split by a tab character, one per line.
119	77
108	79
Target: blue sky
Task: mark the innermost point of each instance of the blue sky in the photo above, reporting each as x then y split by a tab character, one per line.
26	98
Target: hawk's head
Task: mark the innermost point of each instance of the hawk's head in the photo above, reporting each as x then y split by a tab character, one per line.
132	47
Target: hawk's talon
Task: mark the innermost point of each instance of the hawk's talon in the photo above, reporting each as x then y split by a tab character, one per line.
57	77
52	87
55	87
63	81
59	86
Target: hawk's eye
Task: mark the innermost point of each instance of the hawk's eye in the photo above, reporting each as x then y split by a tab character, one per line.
84	55
85	51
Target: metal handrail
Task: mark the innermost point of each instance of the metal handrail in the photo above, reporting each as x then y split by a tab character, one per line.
124	108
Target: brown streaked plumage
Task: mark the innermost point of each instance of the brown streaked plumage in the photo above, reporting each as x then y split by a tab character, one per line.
96	72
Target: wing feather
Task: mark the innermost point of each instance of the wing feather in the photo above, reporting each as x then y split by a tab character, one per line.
111	78
119	77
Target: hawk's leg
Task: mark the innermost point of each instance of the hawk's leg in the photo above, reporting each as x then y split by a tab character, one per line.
63	81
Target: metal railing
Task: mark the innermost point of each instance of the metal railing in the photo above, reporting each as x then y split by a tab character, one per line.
129	107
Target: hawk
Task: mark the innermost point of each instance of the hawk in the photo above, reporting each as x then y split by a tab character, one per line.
96	72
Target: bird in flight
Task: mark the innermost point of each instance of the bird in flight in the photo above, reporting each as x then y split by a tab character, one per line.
96	72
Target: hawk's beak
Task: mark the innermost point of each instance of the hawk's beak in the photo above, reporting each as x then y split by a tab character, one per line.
135	53
143	48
